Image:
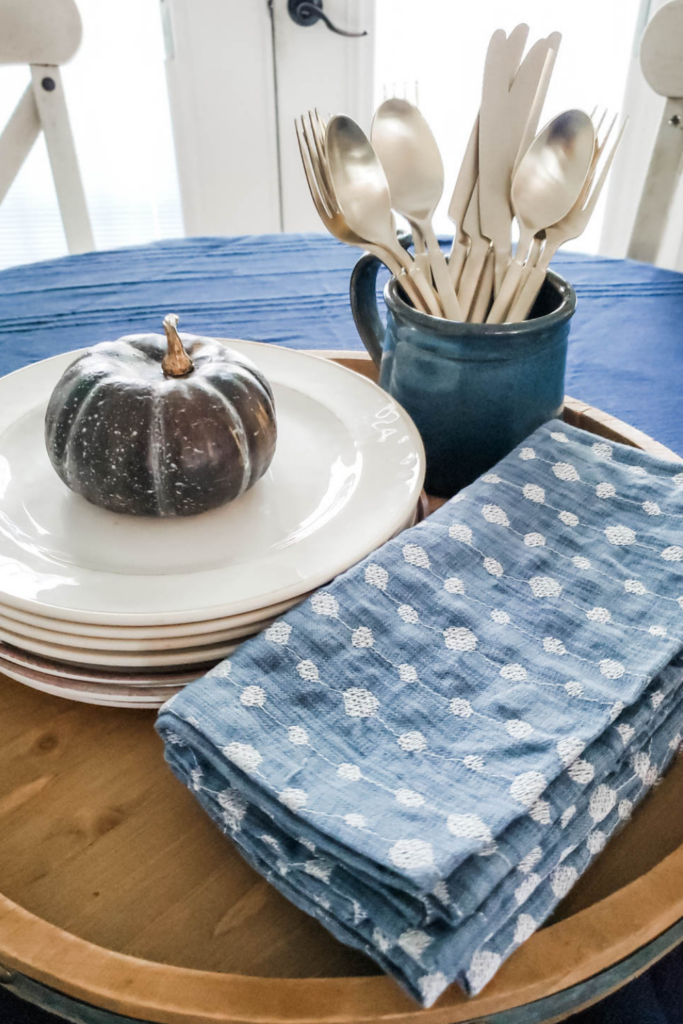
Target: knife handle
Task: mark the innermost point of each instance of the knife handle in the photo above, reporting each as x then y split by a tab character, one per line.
471	274
482	300
506	293
524	302
444	285
456	261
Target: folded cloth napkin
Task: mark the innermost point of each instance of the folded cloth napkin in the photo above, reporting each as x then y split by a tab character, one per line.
427	754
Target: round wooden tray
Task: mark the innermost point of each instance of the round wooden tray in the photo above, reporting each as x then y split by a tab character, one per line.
119	897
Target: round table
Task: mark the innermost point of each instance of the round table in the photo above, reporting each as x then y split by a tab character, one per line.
625	357
625	354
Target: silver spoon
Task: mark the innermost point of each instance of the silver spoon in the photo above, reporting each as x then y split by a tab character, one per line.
546	185
363	195
412	163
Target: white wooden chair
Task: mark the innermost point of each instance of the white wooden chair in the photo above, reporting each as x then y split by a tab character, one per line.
44	34
661	59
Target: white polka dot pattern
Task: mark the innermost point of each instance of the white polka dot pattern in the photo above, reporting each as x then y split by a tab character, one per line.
469	826
440	741
415	555
408	614
243	755
412	854
545	586
308	670
376	576
325	604
360	703
412	741
605	490
253	696
459	638
514	673
409	798
297	735
562	880
495	514
461	707
568	518
527	787
460	532
565	471
518	729
407	673
293	798
493	567
525	928
278	633
532	492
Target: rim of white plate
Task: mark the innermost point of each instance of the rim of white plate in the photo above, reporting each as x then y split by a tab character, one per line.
378	473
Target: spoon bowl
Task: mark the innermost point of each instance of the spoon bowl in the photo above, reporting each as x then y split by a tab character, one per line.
359	181
546	186
362	192
413	166
552	173
410	157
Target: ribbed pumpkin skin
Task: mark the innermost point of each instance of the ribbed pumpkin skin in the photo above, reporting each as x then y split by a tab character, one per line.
129	439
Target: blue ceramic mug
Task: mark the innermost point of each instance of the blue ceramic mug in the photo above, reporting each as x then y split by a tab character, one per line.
474	390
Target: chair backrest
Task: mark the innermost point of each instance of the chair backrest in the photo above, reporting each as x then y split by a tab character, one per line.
39	31
661	59
44	34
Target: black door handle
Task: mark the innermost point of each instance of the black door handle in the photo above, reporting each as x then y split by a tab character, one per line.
309	12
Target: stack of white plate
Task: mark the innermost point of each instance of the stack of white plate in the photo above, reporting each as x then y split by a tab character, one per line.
124	611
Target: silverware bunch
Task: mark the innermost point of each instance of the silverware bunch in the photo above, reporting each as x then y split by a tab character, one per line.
549	183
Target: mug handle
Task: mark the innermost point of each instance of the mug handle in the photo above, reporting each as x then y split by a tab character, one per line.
363	292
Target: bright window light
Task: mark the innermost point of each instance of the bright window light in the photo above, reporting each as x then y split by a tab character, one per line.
116	95
440	45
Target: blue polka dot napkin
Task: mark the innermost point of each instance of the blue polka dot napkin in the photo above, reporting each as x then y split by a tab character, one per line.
428	753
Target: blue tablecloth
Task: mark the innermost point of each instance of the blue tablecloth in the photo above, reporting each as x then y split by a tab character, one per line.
625	355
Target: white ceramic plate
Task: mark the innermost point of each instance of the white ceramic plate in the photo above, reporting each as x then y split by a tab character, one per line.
115	691
28	663
80	634
84	696
250	622
346	476
120	659
142	644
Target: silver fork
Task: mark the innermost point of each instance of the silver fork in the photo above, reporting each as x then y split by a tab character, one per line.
310	136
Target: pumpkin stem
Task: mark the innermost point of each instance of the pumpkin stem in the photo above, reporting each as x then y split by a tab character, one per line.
176	362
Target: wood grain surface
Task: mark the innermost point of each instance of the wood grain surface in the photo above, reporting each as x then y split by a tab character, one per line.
116	889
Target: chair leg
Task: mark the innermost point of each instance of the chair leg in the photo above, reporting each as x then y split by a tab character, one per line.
660	186
21	131
48	92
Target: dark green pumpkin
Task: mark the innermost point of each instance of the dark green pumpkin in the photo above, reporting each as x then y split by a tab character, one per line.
161	426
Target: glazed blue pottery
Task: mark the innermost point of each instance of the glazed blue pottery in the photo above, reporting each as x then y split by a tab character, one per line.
474	390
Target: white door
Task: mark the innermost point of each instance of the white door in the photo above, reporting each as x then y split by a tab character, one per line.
238	73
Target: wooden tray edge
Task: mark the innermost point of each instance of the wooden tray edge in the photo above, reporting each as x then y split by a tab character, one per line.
561	956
